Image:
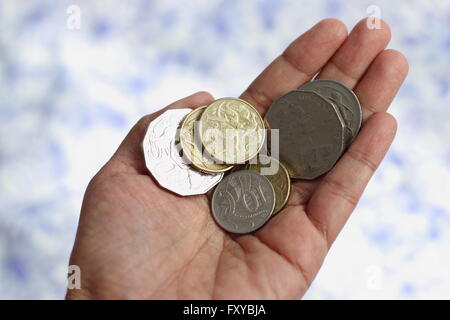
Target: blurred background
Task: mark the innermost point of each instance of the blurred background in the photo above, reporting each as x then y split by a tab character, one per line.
70	91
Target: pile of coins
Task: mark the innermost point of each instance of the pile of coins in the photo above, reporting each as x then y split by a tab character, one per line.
302	136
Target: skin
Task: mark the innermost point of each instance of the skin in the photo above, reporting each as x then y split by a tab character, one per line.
137	240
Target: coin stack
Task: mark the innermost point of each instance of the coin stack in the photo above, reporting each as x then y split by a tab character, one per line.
302	136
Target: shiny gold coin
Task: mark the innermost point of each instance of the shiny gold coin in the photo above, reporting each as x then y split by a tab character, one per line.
192	148
278	176
231	130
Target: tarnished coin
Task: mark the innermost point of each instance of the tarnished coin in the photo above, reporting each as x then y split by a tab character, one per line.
231	130
163	159
243	201
311	133
278	176
192	146
346	101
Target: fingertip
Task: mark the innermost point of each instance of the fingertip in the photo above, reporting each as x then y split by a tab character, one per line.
192	101
335	28
384	124
379	30
391	123
203	95
396	62
199	98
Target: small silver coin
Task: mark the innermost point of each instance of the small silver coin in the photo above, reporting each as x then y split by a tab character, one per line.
243	201
346	101
311	133
163	159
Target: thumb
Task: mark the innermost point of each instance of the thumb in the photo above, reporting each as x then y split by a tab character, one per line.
129	155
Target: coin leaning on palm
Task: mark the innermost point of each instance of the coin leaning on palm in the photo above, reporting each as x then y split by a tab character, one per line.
136	239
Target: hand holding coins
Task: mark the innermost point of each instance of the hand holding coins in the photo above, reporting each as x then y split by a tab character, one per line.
189	151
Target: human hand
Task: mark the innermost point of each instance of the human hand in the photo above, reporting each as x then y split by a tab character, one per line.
138	240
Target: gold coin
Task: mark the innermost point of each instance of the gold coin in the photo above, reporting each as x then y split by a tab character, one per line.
192	149
278	177
231	130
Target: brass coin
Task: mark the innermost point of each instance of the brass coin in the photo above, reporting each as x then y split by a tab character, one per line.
278	176
192	148
231	130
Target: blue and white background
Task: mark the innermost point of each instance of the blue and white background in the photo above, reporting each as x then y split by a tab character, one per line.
69	96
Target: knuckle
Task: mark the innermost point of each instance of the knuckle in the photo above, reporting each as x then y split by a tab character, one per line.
362	158
341	190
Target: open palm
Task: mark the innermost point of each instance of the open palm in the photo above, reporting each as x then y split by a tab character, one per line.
138	240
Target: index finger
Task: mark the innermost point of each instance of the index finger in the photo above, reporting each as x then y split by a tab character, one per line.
301	60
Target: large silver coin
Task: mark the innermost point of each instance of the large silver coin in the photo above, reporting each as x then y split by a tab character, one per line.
311	133
243	201
346	101
163	159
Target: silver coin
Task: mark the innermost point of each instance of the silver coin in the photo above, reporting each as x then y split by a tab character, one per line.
243	201
163	159
311	133
346	101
